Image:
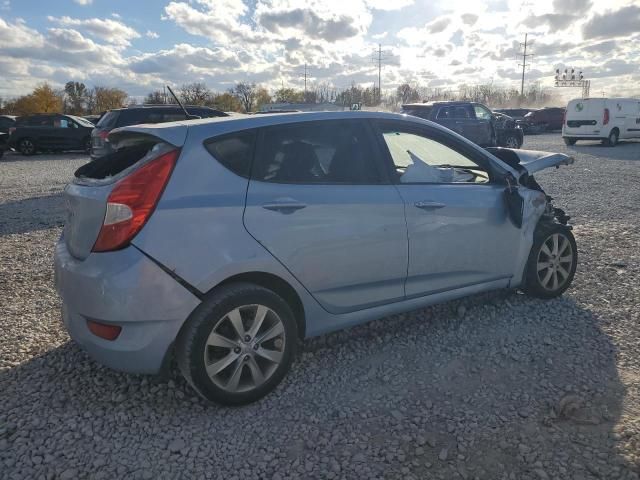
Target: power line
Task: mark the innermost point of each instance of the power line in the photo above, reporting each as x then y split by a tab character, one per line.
524	62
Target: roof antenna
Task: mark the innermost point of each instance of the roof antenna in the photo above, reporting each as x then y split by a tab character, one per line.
186	114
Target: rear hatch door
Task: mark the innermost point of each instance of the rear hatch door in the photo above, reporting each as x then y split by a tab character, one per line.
86	197
584	116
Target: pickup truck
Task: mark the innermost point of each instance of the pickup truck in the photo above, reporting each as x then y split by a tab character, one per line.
52	132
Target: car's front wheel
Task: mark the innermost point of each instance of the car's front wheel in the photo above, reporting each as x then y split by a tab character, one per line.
512	142
238	344
27	146
552	261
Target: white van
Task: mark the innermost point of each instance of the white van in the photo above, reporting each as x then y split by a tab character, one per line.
606	119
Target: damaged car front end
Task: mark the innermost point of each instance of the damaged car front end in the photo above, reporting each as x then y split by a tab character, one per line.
547	237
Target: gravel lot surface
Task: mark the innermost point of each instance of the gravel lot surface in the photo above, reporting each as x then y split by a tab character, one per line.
497	386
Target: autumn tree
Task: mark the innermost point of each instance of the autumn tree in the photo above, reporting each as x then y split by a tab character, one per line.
406	93
289	95
262	97
225	102
106	98
246	94
76	98
157	97
195	93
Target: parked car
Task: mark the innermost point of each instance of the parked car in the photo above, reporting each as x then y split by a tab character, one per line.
543	120
124	117
4	137
93	118
508	133
6	123
606	119
50	131
515	113
225	241
471	120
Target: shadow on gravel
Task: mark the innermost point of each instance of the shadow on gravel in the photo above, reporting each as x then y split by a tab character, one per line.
31	214
495	385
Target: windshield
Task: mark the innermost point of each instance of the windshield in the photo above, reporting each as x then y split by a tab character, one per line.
81	121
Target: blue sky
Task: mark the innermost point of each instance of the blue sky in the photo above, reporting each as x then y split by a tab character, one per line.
141	45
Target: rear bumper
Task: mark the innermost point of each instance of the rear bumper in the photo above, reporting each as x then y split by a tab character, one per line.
128	289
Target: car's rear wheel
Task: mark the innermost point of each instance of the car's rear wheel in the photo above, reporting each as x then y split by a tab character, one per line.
569	141
612	140
552	261
27	146
512	142
238	344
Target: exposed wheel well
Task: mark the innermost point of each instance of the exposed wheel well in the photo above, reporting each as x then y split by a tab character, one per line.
279	286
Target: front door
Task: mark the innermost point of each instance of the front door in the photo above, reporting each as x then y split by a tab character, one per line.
459	231
318	201
484	125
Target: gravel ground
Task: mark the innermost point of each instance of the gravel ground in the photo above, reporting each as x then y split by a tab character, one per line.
496	386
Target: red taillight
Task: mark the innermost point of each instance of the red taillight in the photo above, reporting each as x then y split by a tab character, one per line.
103	330
605	119
132	201
103	134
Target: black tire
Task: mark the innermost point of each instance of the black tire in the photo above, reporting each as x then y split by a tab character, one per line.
533	284
27	146
192	348
511	141
612	140
569	141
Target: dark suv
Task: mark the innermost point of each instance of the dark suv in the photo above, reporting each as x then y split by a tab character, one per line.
543	120
50	131
124	117
471	120
6	122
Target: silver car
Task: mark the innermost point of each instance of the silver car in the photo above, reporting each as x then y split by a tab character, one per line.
223	242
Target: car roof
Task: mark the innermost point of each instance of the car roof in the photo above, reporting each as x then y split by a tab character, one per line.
165	105
439	102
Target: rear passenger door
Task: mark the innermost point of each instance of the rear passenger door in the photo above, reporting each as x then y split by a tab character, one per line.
319	201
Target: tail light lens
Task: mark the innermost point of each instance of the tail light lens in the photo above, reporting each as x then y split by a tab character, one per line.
104	330
605	118
132	201
11	130
103	134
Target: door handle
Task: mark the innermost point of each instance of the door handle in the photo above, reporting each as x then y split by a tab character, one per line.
428	205
284	207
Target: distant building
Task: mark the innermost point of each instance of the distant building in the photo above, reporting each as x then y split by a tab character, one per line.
302	107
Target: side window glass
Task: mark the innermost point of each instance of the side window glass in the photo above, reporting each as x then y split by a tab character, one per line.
482	113
461	112
420	159
234	151
444	113
317	152
61	123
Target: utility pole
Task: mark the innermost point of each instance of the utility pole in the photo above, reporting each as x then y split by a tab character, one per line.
379	56
305	83
524	62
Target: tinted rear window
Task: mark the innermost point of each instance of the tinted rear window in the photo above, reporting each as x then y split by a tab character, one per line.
108	120
422	112
234	151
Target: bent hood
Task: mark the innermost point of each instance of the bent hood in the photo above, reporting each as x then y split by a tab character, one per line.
531	160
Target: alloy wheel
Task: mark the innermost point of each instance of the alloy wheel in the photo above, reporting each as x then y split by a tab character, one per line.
555	261
27	147
245	348
512	142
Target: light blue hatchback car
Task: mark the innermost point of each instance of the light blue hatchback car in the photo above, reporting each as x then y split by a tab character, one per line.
224	241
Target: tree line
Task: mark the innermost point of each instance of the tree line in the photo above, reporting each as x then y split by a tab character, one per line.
77	99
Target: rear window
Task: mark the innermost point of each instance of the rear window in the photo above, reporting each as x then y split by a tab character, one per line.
422	112
136	116
108	120
234	151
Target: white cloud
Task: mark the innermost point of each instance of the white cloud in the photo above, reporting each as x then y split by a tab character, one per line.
112	31
150	34
83	2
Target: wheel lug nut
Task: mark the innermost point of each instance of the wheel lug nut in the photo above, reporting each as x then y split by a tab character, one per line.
247	338
246	358
256	346
236	350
